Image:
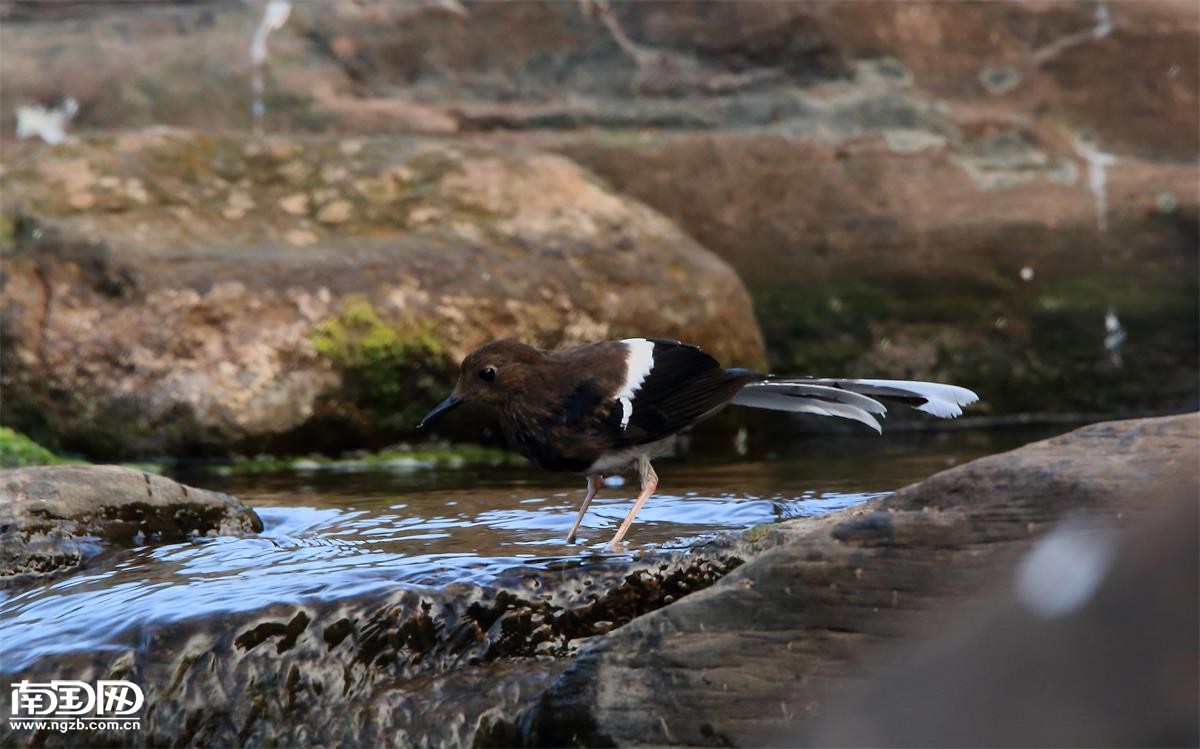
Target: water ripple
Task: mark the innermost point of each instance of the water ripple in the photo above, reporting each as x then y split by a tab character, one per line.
312	552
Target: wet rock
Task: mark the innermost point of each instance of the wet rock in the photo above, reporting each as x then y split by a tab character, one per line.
203	321
52	518
755	657
587	652
427	667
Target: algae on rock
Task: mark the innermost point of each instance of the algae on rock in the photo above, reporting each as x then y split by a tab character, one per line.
17	451
396	369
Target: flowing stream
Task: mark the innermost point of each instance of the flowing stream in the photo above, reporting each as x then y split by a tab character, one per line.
334	534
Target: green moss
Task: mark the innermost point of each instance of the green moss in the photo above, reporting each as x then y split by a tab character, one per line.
429	169
17	450
396	370
758	533
449	457
16	229
8	233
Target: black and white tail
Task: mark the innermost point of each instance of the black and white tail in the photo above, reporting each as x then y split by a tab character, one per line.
854	399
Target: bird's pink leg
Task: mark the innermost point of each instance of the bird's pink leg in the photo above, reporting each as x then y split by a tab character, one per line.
594	482
649	484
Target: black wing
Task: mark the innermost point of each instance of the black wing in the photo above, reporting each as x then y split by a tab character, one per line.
684	385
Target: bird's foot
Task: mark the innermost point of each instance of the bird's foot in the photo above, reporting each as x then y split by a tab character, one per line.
571	537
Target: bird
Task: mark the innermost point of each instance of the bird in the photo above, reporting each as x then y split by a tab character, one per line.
599	409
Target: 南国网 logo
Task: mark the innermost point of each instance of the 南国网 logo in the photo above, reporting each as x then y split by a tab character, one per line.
109	698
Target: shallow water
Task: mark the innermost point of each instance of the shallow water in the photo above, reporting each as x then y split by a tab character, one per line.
337	534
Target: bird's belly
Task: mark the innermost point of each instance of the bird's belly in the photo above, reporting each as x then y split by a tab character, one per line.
551	455
616	461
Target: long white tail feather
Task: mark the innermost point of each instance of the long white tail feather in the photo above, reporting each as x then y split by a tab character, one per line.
815	390
851	399
758	397
942	401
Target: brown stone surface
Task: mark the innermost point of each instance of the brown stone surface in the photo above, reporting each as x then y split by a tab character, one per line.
754	657
958	209
221	293
52	517
1126	72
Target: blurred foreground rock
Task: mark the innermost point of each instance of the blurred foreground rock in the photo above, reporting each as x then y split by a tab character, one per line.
1118	667
758	658
172	292
52	518
579	655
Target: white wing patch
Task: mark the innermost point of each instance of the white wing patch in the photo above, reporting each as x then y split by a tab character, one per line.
638	363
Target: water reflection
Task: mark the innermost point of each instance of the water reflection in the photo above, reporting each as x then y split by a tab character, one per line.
339	535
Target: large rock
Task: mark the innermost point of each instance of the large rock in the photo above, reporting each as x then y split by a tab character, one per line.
176	292
53	518
1125	71
754	658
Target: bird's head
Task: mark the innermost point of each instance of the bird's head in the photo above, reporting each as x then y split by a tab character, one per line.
491	374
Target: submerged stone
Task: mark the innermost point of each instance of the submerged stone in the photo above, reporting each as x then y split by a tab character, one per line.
406	666
53	518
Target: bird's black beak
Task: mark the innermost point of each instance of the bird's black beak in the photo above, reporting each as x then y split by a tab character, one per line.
440	409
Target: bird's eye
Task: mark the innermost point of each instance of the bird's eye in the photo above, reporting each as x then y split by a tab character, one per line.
488	373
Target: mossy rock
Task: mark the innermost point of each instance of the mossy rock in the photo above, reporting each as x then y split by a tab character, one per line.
394	369
215	295
17	451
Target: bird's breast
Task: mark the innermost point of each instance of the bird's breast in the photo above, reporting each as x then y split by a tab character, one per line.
565	434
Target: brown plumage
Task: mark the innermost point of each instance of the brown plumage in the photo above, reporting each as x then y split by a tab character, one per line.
599	408
558	408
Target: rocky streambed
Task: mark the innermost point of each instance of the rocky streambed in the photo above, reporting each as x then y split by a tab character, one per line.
742	639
